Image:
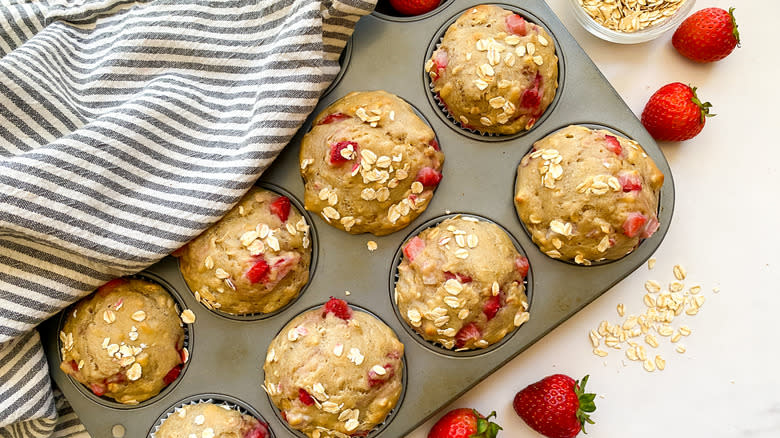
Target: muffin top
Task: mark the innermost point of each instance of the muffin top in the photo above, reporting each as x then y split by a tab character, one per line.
588	195
460	284
494	71
125	341
334	371
369	164
254	260
208	420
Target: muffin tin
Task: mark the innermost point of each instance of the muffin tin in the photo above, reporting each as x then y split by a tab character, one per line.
227	355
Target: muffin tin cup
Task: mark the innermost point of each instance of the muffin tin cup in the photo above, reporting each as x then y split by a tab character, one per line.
217	399
187	344
479	179
435	346
314	245
594	126
436	101
377	430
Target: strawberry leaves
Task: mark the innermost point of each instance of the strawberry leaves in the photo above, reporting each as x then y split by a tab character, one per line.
587	404
485	427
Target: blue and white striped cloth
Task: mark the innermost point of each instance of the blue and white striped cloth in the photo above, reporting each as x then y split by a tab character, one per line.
126	129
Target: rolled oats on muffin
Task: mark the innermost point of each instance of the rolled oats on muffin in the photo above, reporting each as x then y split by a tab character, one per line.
334	371
494	72
369	164
125	341
460	284
588	195
254	260
209	420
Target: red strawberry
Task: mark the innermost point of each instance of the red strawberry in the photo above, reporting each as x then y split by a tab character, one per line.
413	247
335	152
304	397
429	177
414	7
532	97
556	406
97	388
467	333
464	423
633	224
516	24
435	144
375	379
111	285
337	307
630	181
258	272
613	144
675	113
463	278
708	35
492	306
333	118
172	375
261	431
521	264
281	208
440	61
650	228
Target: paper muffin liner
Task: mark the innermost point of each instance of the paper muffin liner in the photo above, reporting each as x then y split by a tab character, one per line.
379	427
108	401
217	399
437	346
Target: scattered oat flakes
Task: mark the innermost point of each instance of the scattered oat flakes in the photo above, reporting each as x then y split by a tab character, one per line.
187	316
651	263
371	245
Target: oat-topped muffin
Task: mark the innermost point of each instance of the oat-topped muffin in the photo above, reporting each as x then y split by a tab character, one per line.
494	71
255	260
334	371
370	164
588	195
460	284
208	420
125	341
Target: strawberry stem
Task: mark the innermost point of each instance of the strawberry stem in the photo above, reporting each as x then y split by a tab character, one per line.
734	29
485	427
586	403
705	107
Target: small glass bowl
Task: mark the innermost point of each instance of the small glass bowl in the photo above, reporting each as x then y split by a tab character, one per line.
638	36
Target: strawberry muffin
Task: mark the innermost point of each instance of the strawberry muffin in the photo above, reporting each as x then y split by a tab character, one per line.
125	341
588	195
334	371
209	420
494	72
460	284
255	260
370	164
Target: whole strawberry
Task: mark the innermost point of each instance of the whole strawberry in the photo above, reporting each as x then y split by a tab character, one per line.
708	35
675	113
464	423
556	406
414	7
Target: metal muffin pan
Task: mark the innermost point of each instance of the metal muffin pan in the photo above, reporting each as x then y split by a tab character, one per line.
388	53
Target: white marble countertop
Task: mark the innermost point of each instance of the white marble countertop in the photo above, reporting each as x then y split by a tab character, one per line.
724	232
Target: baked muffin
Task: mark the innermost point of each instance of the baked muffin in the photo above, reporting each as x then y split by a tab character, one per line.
334	371
370	164
255	260
208	420
460	284
493	71
588	195
125	341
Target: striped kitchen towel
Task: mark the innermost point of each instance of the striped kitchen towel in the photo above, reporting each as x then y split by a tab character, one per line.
126	129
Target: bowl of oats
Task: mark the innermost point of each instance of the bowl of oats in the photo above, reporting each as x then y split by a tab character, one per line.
630	21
